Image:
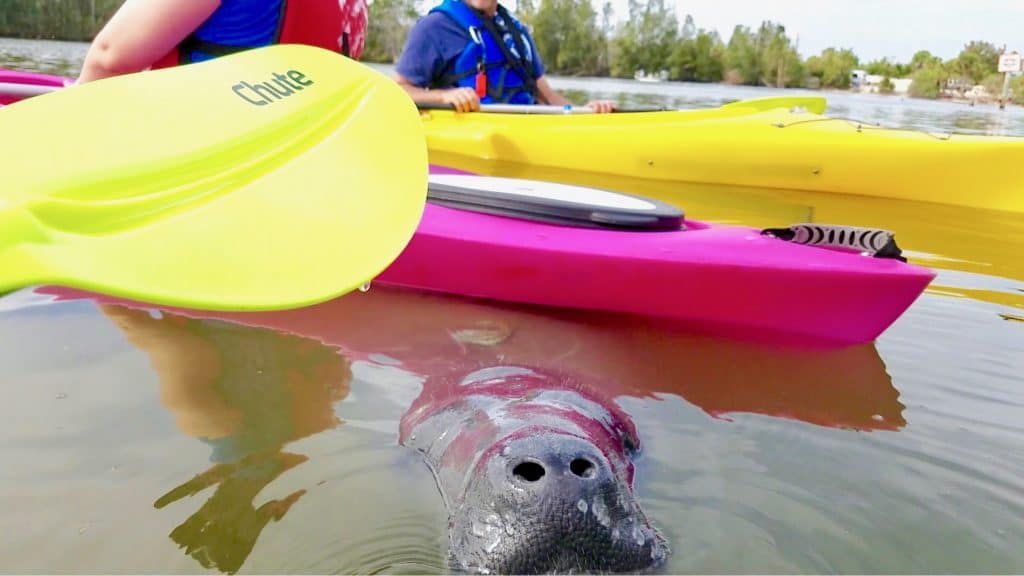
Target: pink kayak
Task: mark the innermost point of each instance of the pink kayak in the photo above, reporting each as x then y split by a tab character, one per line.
729	281
15	85
715	278
477	240
723	280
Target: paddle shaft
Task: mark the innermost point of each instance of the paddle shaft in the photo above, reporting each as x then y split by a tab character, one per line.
29	90
537	108
813	103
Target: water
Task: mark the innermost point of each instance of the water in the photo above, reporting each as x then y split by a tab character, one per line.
51	57
904	456
939	116
65	58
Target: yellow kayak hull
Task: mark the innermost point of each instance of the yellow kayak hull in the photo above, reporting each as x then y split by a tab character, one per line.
764	144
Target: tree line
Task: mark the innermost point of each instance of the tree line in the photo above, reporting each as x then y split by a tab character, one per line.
55	19
575	38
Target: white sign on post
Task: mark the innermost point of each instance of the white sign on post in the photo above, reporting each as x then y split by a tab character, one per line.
1009	62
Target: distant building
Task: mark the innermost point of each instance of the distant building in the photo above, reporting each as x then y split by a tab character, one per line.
642	76
978	92
958	84
861	81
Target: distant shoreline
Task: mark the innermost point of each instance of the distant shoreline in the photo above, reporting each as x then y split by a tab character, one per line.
79	46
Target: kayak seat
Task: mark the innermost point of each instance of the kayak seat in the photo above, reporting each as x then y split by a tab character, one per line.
553	203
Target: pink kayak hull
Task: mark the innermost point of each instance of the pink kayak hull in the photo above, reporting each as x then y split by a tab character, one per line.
720	279
26	78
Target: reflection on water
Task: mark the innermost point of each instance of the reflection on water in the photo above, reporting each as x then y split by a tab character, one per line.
253	386
438	337
221	534
246	394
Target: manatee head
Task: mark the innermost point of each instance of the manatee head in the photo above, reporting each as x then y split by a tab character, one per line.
537	473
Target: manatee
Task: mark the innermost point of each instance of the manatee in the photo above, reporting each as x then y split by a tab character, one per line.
536	471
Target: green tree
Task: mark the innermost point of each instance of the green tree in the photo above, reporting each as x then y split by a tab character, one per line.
884	67
525	11
924	59
927	81
1017	89
780	63
647	39
767	57
742	62
55	19
607	27
975	62
833	67
881	67
699	59
388	27
568	37
993	84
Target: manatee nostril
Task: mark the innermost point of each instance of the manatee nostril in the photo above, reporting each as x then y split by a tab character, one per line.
629	445
528	471
582	467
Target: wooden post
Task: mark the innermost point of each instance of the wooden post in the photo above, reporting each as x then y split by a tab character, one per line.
1006	90
1008	62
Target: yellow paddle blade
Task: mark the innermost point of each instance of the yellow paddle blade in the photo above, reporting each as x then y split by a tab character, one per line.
272	178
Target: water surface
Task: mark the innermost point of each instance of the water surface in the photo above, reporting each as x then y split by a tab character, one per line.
156	442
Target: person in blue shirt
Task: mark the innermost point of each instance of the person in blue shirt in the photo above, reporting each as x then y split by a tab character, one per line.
468	52
151	34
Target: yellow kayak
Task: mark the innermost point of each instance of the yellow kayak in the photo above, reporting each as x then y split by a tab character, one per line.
782	143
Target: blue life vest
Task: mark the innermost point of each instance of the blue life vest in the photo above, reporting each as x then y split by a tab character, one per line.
507	59
236	25
243	24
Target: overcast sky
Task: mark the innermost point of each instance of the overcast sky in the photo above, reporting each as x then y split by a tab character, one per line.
872	28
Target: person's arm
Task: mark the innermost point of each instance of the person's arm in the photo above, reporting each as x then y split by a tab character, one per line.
548	95
424	58
140	33
463	99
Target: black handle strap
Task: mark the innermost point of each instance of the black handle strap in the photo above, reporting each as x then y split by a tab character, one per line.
874	241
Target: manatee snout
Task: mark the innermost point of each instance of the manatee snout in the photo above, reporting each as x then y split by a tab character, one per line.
536	469
545	501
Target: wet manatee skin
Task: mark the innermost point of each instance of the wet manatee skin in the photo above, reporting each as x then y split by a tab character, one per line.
536	471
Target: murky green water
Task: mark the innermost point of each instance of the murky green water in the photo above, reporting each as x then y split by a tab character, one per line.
64	58
137	442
